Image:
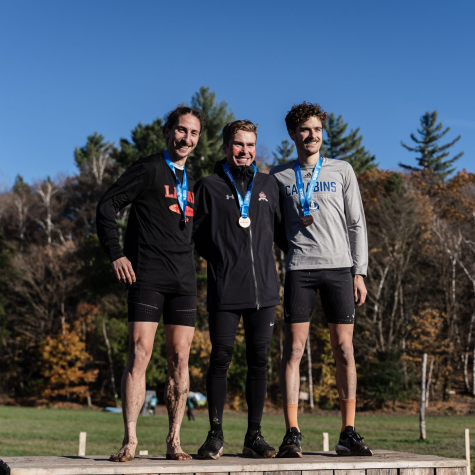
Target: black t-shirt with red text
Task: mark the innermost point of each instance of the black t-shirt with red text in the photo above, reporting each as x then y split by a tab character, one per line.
157	241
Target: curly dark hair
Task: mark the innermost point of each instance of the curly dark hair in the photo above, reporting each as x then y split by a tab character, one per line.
172	117
231	128
302	112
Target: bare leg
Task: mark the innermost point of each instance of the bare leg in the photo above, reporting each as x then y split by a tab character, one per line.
341	337
178	340
141	337
294	345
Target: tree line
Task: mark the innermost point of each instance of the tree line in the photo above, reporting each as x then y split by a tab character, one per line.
63	317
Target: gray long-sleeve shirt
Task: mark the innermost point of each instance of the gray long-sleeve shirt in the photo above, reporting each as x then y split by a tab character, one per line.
337	237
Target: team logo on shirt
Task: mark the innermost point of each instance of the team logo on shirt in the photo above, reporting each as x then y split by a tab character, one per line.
176	207
229	197
314	206
262	196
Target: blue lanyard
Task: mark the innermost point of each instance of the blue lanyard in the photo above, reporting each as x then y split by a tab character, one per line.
181	191
243	204
306	200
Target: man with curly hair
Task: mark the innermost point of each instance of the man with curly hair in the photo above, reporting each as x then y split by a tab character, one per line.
157	265
328	251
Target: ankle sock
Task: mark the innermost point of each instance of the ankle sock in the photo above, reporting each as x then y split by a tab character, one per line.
348	411
290	414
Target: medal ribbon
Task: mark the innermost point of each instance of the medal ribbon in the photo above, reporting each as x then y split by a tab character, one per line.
243	204
306	200
181	190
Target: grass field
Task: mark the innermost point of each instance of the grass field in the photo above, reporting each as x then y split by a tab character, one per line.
30	431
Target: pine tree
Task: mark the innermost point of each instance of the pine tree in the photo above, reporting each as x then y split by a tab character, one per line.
94	158
209	149
338	146
432	154
284	152
97	171
146	140
95	147
149	139
22	198
20	186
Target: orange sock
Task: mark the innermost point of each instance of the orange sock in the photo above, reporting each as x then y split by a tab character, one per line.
290	414
348	411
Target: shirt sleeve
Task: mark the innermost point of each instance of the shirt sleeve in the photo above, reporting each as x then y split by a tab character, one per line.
355	223
123	192
201	220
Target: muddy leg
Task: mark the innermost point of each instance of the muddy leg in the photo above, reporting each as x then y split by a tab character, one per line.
141	337
178	339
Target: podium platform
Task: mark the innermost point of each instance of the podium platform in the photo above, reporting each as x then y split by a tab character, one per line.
383	462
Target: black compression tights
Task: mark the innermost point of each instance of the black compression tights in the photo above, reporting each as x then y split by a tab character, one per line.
258	327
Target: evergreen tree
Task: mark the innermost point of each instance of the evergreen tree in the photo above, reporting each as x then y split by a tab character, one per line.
209	149
22	197
284	152
348	147
97	171
386	380
20	186
96	150
149	139
146	140
432	154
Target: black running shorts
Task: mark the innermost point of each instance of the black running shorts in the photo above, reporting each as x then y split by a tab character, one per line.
336	294
148	306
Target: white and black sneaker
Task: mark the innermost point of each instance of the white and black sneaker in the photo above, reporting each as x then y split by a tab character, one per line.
256	446
351	443
290	447
213	446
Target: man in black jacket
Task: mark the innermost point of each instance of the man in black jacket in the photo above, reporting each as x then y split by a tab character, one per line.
158	265
237	216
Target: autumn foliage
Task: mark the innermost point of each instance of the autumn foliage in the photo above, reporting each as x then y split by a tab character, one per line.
65	363
63	316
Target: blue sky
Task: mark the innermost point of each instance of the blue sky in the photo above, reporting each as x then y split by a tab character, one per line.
68	69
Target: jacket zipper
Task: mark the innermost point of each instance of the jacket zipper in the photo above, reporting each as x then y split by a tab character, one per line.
254	271
253	268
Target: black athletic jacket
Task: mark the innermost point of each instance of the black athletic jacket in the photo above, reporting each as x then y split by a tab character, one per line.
157	242
241	265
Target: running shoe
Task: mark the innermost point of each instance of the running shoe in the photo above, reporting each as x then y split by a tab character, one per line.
351	443
213	446
256	446
290	446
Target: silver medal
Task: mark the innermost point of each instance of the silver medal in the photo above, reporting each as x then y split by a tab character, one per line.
244	222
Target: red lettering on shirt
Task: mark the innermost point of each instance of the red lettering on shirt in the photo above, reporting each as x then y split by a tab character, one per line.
191	195
167	192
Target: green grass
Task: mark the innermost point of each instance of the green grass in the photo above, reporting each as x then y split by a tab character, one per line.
30	431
